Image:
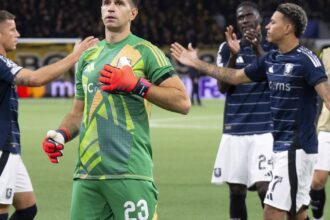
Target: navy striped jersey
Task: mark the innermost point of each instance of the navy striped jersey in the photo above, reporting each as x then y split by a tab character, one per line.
9	129
247	107
291	77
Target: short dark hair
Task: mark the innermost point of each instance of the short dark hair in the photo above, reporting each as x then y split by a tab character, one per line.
5	15
248	4
252	5
296	15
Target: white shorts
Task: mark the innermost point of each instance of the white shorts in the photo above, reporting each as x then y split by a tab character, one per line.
292	177
323	157
243	159
13	179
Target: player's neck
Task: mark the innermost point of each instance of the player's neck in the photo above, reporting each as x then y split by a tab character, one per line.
113	37
3	52
288	44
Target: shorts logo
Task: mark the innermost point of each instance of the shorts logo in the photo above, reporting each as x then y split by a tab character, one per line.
9	193
217	172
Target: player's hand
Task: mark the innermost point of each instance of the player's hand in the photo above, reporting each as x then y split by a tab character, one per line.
81	46
185	56
232	41
253	36
53	144
122	79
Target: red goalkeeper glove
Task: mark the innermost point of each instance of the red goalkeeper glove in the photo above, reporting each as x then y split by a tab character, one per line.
53	144
114	79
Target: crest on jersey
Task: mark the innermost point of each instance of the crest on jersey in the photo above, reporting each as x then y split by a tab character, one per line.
288	69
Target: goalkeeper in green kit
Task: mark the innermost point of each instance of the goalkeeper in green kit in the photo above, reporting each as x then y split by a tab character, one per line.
116	81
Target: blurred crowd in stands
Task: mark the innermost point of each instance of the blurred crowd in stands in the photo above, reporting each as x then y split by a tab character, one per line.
160	21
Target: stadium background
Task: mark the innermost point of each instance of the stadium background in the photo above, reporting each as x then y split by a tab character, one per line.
183	162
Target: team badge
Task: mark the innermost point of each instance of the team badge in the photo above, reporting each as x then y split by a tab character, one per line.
9	193
124	61
89	68
217	172
288	69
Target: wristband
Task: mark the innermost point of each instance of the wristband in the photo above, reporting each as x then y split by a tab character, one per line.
142	87
64	132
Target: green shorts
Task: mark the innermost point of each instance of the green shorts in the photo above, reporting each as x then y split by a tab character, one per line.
120	199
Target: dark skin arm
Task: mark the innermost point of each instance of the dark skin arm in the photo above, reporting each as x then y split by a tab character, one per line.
252	37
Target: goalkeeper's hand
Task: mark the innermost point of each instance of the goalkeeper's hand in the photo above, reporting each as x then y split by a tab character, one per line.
53	144
115	79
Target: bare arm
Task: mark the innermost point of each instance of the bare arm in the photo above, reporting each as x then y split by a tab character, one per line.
72	120
171	95
323	89
189	57
224	87
43	75
234	47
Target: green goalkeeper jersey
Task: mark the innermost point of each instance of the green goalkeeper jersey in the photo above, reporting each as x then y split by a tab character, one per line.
114	138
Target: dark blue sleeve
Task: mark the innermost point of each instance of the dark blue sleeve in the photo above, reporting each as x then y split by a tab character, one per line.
8	70
314	71
256	71
223	55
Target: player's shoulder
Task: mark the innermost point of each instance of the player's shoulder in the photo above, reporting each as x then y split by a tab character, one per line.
148	49
307	56
223	46
3	59
93	52
6	62
144	44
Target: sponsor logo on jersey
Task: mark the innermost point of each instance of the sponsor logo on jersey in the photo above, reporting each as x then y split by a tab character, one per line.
278	86
90	88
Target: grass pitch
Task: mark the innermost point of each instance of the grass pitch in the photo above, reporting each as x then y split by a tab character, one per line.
184	150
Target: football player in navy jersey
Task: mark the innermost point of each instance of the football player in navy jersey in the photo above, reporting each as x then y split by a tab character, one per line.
15	183
244	156
295	76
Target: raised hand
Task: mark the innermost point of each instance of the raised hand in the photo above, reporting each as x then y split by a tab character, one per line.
83	45
185	56
253	36
232	41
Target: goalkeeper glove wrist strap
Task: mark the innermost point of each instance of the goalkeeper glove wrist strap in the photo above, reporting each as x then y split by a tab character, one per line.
142	87
64	132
